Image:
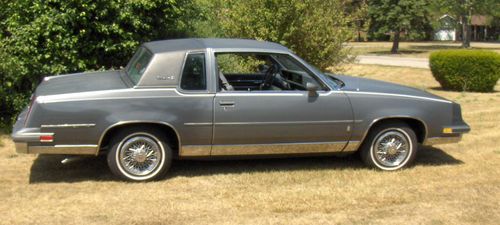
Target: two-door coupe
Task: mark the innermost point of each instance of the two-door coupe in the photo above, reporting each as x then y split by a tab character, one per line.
220	98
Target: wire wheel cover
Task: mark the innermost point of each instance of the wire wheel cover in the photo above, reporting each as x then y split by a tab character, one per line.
140	155
391	148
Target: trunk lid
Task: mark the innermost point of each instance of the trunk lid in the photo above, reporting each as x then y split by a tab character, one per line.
80	82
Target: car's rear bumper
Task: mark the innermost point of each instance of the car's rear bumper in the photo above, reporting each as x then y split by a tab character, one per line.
27	140
25	148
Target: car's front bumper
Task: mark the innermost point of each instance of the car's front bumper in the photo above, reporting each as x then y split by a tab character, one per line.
454	135
442	140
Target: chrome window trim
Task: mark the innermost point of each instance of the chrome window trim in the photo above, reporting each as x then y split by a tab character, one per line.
249	50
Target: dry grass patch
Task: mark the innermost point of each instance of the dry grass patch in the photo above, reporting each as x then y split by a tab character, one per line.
450	184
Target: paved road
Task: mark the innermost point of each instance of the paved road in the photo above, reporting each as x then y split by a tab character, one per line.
393	61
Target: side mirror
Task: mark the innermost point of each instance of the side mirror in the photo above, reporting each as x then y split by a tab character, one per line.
312	88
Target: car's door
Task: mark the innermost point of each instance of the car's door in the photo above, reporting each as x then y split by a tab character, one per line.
193	106
280	122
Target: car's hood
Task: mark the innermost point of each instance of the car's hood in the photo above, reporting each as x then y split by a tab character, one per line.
369	85
80	82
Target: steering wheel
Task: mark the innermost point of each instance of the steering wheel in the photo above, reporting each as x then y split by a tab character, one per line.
269	77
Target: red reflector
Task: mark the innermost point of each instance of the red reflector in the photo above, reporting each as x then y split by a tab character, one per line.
46	138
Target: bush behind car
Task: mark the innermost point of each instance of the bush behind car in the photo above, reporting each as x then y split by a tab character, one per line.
466	70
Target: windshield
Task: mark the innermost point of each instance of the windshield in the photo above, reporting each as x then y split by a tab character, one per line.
330	78
138	64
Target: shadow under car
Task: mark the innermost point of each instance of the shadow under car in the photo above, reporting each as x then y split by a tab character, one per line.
49	169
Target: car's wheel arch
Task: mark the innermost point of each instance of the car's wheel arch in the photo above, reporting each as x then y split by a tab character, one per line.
171	132
416	124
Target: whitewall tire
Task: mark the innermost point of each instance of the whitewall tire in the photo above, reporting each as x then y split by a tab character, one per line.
139	154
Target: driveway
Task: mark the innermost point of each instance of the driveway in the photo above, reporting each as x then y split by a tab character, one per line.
393	61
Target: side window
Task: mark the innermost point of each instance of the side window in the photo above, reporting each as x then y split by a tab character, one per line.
239	63
194	75
138	64
242	71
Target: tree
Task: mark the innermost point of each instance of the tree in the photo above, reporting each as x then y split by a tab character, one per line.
464	9
316	30
40	38
397	16
358	9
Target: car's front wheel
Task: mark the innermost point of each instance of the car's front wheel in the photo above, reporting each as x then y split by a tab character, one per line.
139	154
390	146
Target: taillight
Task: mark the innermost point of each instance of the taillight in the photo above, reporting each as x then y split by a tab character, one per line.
46	138
32	101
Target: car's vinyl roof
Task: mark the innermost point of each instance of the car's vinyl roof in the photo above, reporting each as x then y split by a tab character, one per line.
214	43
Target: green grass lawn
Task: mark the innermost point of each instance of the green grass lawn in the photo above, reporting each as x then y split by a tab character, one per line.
414	49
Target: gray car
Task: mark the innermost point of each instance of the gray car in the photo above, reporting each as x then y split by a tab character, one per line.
223	98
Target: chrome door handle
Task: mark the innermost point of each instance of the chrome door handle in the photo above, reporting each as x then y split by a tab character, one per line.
226	103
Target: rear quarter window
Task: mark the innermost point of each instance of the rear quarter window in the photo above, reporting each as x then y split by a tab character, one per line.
193	75
138	64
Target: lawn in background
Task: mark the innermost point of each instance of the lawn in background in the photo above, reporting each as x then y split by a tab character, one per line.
414	49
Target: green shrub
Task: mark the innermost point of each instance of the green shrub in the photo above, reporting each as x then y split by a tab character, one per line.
466	70
316	30
40	38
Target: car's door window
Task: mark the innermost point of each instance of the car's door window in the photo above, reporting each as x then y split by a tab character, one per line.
194	75
262	72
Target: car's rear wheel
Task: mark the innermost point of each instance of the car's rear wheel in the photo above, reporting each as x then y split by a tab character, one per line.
390	146
139	154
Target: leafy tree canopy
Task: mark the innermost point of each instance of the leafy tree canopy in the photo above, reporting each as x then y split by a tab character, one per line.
42	38
316	30
396	16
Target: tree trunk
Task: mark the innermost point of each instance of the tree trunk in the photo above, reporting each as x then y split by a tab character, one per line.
466	30
395	42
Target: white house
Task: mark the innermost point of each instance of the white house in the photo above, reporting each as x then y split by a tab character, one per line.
447	29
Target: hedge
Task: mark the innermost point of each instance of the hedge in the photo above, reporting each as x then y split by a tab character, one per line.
466	70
